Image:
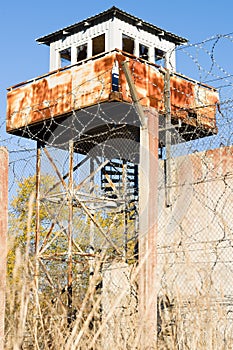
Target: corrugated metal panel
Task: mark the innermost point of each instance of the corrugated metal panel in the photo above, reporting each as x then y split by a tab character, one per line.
81	37
88	84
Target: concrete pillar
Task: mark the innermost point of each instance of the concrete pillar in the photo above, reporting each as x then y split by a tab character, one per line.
3	236
148	203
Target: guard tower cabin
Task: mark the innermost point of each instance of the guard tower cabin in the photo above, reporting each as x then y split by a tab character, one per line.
86	70
107	31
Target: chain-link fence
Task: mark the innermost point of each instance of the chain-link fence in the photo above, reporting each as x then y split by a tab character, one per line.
74	262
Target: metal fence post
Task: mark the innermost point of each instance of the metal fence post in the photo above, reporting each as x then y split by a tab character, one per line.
148	220
167	163
148	198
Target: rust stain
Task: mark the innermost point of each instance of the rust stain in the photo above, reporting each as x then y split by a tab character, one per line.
84	85
182	93
219	162
103	64
214	164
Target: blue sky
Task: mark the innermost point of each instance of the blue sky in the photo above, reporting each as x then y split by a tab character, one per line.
21	22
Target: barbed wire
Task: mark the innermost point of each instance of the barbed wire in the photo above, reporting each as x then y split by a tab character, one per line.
190	232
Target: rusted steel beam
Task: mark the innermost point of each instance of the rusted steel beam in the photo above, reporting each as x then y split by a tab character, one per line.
77	166
62	181
37	238
3	236
91	175
38	182
167	103
92	225
70	235
134	94
50	280
125	183
104	234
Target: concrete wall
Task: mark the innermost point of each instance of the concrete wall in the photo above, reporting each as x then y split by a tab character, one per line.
195	250
119	305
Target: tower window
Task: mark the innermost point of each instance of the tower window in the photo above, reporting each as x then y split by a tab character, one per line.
127	44
143	52
81	52
65	57
98	44
159	57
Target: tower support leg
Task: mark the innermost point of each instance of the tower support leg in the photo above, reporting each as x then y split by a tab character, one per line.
148	208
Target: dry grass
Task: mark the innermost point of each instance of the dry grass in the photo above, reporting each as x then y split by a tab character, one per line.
107	318
33	322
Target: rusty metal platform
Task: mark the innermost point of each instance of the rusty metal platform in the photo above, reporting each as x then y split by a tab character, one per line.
82	88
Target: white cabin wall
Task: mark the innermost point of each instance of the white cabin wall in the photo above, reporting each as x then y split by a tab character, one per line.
113	30
76	40
114	37
52	64
147	39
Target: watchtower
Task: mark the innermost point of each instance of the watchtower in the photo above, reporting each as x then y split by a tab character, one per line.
112	97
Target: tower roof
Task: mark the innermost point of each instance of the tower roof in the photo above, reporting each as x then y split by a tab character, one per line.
106	15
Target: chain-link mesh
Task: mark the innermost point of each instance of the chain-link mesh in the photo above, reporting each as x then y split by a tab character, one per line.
74	215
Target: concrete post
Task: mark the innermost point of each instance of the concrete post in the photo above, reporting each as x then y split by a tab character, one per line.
3	236
148	203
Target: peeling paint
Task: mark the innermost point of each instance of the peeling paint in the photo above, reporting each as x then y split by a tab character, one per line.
80	86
